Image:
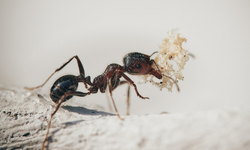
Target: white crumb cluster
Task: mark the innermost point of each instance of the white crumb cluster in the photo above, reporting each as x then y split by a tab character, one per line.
170	60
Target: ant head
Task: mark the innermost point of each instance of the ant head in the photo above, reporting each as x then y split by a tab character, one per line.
140	64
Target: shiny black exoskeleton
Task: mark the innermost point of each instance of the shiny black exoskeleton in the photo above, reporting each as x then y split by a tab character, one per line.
67	83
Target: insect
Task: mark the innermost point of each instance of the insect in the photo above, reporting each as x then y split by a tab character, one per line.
65	87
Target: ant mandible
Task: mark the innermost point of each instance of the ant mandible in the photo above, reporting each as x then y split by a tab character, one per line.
65	87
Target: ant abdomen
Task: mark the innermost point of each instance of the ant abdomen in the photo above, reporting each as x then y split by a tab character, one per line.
67	83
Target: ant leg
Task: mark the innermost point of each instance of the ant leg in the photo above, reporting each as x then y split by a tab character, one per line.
108	101
128	96
57	107
110	93
81	70
128	99
133	84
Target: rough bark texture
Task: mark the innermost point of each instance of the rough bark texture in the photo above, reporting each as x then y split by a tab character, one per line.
24	116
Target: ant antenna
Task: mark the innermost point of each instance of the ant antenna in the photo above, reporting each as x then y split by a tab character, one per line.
178	89
192	55
155	64
153	53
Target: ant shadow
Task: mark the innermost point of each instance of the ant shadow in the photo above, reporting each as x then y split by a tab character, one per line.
80	109
85	111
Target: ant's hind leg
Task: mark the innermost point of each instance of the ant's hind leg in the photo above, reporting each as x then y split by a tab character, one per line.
81	70
110	93
81	94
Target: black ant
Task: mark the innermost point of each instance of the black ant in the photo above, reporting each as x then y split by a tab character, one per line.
65	87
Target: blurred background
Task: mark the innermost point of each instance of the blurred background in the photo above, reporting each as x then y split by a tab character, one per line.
36	37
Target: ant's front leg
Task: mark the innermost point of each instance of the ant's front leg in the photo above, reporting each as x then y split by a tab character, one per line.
75	93
81	70
133	84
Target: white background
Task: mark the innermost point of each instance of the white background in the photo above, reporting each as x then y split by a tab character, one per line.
36	37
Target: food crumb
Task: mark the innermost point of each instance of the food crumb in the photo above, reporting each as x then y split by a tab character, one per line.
170	60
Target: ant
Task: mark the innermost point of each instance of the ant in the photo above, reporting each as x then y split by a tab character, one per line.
65	87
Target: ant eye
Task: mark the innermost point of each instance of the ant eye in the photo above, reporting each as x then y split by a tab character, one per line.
138	66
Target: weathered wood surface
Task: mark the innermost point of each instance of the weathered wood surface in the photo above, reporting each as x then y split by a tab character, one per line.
24	116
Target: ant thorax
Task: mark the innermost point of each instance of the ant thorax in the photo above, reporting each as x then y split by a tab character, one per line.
170	60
